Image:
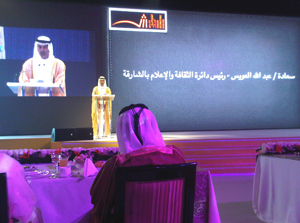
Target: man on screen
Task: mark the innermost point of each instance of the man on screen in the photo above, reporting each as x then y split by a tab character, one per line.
43	68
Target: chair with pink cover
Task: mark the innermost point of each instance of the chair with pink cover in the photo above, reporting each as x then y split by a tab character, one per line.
163	193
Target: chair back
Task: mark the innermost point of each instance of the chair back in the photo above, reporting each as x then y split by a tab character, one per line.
3	199
159	194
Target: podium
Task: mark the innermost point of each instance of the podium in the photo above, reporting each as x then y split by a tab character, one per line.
100	116
14	86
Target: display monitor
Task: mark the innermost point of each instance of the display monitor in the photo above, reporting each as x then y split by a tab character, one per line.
75	48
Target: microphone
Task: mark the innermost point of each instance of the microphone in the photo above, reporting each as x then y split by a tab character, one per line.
16	77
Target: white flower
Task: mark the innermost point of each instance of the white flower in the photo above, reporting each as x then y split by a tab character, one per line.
263	148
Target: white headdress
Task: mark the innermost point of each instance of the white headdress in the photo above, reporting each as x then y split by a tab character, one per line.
102	89
137	128
42	68
42	40
21	198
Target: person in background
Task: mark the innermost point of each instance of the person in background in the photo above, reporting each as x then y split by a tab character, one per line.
101	89
140	143
43	68
21	199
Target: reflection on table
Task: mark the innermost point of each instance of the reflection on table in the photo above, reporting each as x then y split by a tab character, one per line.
67	199
275	188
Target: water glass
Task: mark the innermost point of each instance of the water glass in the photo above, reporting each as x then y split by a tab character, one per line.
55	160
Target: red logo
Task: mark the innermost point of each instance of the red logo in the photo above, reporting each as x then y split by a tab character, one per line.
137	20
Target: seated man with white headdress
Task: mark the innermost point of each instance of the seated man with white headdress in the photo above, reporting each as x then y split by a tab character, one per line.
21	199
43	68
140	143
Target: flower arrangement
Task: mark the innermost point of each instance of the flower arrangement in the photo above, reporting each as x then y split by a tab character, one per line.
279	148
27	156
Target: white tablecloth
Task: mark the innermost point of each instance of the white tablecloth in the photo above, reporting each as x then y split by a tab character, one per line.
68	199
63	199
205	206
275	189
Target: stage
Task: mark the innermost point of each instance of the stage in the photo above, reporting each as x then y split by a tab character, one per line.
231	151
